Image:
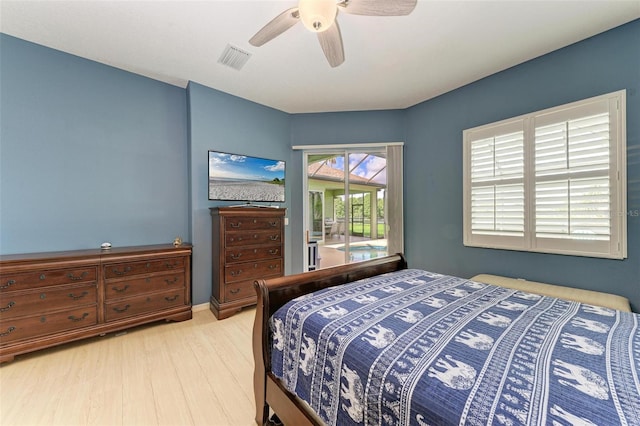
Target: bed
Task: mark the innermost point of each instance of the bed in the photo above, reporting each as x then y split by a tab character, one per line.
377	343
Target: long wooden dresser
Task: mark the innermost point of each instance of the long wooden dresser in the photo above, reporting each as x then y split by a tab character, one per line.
247	243
47	299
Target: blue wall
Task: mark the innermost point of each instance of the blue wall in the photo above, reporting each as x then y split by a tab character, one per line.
433	162
88	153
226	123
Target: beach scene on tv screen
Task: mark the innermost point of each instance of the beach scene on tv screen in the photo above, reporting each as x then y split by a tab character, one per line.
245	178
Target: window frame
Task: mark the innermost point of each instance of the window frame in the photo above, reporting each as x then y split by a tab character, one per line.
616	246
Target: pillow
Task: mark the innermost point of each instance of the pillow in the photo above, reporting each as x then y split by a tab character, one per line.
568	293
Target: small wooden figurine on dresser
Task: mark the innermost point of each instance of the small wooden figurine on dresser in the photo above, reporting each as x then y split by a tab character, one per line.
247	244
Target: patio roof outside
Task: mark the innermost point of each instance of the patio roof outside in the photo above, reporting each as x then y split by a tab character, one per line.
364	169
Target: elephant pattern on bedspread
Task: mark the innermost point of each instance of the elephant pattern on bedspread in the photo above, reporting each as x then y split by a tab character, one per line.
413	347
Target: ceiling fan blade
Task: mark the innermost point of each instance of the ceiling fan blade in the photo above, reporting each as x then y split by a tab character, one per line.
378	7
276	26
331	43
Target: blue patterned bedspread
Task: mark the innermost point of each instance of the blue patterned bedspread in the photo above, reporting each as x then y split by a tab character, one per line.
418	348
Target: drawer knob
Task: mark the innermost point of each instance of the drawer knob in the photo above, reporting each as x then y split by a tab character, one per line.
8	332
274	237
236	256
235	224
121	289
76	319
273	224
234	273
9	306
273	251
77	278
172	299
173	281
123	271
80	296
8	284
272	266
43	276
170	265
121	310
234	291
43	296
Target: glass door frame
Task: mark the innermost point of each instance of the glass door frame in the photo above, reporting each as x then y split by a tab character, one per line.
311	217
345	151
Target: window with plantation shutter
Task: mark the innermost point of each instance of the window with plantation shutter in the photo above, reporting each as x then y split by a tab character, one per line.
552	181
497	184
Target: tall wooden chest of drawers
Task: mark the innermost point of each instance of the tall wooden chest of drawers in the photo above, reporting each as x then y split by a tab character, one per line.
51	298
247	243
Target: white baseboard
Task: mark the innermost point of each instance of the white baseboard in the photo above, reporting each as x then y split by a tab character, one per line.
200	307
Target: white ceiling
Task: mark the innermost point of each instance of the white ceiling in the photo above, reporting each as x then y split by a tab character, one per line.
391	62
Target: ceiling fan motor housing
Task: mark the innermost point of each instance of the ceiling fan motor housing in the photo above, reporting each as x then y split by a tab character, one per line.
317	15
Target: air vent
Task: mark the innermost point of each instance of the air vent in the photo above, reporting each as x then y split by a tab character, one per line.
234	57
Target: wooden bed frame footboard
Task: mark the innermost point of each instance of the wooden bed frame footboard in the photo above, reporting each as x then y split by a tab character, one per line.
273	294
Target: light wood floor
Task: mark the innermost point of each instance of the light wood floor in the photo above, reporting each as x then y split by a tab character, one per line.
196	372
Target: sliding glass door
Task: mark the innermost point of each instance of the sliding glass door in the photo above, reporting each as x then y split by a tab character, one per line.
349	187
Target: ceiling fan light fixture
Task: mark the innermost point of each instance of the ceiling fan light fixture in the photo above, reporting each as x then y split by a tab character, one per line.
320	17
317	15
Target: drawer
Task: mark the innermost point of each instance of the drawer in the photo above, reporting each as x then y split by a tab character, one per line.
252	270
132	306
18	304
252	223
247	254
43	278
237	239
119	270
237	291
151	284
40	325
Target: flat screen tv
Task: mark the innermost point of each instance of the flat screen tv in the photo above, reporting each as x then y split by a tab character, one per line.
234	177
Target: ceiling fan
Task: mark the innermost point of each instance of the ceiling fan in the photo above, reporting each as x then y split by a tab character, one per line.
320	16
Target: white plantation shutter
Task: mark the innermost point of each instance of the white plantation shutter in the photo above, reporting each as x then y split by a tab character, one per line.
572	195
498	210
573	209
495	206
580	145
497	185
551	181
